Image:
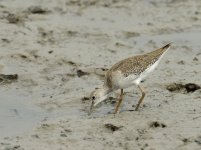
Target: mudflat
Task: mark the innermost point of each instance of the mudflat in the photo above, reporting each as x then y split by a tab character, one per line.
54	53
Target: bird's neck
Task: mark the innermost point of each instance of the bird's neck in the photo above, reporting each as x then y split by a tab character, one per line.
106	90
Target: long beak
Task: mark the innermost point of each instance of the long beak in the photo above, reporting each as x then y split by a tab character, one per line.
91	108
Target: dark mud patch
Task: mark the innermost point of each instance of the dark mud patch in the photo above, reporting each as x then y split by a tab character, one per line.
195	59
13	18
72	33
112	127
71	63
50	52
191	87
84	99
181	62
130	34
65	132
156	124
15	147
182	88
198	140
22	57
38	10
8	78
81	73
70	75
5	40
186	140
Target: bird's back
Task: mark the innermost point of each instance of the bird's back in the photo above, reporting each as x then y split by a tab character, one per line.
135	65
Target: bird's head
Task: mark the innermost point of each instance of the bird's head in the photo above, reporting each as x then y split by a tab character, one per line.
97	96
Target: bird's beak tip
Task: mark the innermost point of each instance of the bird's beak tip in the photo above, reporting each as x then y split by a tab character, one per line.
91	109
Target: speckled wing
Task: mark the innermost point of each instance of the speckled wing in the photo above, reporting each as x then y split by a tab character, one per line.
133	65
138	64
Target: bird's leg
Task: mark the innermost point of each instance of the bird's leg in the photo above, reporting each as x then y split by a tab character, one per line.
119	102
141	99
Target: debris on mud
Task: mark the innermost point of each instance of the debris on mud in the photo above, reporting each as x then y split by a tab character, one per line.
23	56
12	18
198	140
50	52
191	87
85	99
186	140
156	124
71	33
37	10
195	59
130	34
5	40
71	63
70	75
15	147
183	88
181	62
63	134
81	73
174	87
8	78
112	127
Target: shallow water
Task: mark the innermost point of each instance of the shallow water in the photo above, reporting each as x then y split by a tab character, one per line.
16	113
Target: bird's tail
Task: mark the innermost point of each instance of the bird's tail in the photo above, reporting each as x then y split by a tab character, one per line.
167	46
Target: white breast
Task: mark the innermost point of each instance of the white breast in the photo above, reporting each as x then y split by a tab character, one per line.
125	82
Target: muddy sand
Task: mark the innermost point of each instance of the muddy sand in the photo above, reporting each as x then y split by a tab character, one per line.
54	53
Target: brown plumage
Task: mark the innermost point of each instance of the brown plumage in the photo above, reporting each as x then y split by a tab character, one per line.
134	65
131	71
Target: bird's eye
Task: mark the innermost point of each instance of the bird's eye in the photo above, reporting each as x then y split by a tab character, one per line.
93	97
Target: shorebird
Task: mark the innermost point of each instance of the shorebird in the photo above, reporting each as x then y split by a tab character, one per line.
126	73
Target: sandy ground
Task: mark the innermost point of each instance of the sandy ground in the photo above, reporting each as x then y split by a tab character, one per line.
59	50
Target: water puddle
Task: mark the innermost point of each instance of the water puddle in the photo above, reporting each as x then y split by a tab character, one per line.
16	114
